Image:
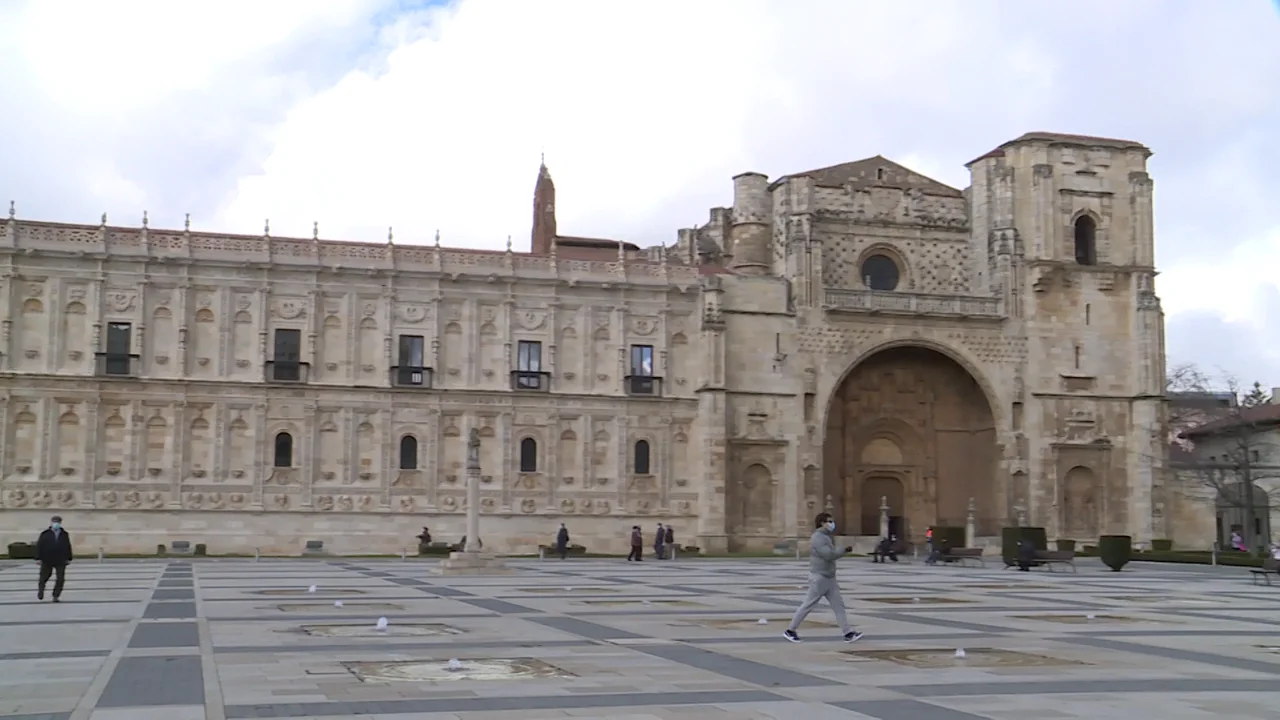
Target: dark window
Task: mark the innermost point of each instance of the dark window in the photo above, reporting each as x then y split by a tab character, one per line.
879	272
408	453
284	450
119	338
529	356
528	455
288	346
642	457
1086	241
411	354
642	360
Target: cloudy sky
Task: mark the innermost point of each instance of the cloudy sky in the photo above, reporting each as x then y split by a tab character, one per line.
365	114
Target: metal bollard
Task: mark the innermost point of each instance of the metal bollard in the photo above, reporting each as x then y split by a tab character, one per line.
1213	556
404	555
256	554
542	553
675	550
100	554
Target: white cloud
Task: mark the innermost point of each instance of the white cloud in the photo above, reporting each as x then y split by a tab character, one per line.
364	114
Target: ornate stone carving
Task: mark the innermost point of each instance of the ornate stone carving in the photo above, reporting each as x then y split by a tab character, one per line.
121	301
289	308
528	505
16	498
531	319
413	313
42	498
643	325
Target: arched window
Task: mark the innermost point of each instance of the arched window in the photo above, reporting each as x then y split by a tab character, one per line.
1086	241
528	455
408	453
284	450
641	460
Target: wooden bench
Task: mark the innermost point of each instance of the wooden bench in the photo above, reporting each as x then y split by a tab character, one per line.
1049	558
961	555
1269	567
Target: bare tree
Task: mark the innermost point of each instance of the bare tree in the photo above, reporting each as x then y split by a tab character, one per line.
1224	441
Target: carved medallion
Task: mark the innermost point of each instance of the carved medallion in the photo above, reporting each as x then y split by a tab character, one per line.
289	308
531	319
118	301
413	313
643	325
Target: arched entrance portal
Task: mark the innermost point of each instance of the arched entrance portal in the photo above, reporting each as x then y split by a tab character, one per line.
913	429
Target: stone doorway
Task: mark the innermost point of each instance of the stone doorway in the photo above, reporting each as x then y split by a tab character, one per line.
911	425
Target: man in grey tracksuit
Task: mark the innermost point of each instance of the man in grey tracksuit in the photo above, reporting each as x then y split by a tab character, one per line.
822	580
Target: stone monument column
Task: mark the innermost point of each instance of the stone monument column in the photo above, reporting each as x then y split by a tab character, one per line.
473	492
971	525
472	560
884	516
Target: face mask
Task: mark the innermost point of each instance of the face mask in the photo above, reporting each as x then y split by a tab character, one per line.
831	526
56	526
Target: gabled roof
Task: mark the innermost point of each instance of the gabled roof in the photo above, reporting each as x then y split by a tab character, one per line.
1258	415
862	174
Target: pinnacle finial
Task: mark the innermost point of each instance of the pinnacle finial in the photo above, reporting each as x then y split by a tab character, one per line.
13	210
315	230
104	219
145	221
266	227
508	243
391	238
543	161
437	238
186	222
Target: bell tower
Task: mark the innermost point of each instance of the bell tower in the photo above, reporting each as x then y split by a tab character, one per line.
543	235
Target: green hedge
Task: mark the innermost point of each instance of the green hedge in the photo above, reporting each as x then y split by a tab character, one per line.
1200	557
1115	550
1162	545
22	551
1011	536
1065	545
949	537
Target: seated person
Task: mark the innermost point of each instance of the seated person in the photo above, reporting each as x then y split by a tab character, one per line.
886	548
1026	555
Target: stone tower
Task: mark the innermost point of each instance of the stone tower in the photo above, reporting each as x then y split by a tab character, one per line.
751	234
543	235
1062	232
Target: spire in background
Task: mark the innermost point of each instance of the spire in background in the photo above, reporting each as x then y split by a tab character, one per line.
543	234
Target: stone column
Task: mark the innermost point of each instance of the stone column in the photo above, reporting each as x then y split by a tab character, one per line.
473	492
971	525
1020	513
884	516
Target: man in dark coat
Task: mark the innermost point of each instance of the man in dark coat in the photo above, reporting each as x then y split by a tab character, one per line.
637	545
562	541
659	543
670	540
53	551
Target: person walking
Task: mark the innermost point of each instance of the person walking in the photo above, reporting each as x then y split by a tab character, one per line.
670	541
637	545
659	542
822	580
562	541
53	551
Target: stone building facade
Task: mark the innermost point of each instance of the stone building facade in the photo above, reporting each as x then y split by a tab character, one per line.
839	339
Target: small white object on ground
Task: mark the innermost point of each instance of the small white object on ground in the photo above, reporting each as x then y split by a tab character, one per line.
645	602
311	589
762	621
915	600
455	664
382	623
337	603
959	653
1092	617
568	589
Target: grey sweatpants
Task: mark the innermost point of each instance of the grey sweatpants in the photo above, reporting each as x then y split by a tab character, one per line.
822	587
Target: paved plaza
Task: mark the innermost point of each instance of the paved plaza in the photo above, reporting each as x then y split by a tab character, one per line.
208	638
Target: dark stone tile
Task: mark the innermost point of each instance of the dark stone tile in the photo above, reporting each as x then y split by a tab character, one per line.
174	594
495	704
1223	661
169	611
688	589
446	592
1085	687
165	635
38	716
174	583
498	606
745	670
154	681
939	622
53	655
905	710
410	582
582	628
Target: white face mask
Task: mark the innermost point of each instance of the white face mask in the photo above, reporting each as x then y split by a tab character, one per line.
831	526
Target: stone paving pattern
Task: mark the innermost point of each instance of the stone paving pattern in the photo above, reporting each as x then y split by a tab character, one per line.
207	639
